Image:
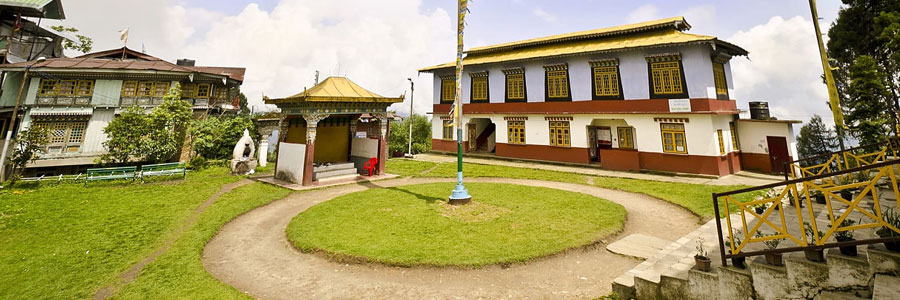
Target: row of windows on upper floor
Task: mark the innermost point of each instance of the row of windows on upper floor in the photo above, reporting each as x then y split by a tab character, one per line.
62	92
666	77
672	134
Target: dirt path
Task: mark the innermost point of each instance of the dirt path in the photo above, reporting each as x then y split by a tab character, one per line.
252	254
132	272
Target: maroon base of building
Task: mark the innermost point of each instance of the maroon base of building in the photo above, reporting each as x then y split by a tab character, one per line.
760	162
615	159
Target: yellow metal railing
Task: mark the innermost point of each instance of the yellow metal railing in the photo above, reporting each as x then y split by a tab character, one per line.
778	221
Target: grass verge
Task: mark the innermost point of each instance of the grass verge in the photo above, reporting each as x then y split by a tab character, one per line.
67	241
413	225
179	272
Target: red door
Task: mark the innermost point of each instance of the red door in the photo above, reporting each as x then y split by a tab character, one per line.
778	153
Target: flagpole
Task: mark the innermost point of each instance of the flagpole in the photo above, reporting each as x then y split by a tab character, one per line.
460	195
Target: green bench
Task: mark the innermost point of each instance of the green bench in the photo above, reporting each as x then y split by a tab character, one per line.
101	174
167	169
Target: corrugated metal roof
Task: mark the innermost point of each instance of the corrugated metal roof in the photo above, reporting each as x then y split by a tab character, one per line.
50	9
620	38
336	89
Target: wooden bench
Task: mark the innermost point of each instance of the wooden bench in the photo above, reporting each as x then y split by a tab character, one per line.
168	169
100	174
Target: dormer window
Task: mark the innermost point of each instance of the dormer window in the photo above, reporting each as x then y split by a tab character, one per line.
666	76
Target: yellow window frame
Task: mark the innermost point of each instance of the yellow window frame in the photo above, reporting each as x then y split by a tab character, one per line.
129	88
515	86
667	78
560	135
145	89
606	81
479	88
721	141
203	90
160	88
76	132
734	139
626	137
448	130
516	130
85	88
719	75
48	87
66	88
448	89
558	84
673	135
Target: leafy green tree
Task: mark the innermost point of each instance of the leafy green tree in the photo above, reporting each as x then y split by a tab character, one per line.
86	43
244	108
215	137
155	137
869	111
399	139
29	144
816	139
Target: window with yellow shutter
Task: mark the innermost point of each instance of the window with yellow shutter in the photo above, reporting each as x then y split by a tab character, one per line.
673	138
448	89
145	89
448	129
734	137
479	87
721	141
605	80
515	85
129	89
160	89
666	76
516	132
48	87
626	137
557	84
85	88
559	134
721	83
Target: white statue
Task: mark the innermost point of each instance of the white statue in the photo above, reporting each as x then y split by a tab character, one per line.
243	161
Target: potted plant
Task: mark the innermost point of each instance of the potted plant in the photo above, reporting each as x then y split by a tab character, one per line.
846	236
818	195
774	259
701	259
737	262
817	255
759	208
891	217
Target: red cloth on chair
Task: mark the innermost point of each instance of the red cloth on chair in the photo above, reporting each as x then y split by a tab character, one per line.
370	165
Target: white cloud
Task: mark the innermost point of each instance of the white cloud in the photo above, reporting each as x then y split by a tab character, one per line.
648	12
544	15
703	16
376	44
784	69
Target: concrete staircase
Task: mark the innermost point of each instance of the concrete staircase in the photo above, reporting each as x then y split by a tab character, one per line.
873	274
334	171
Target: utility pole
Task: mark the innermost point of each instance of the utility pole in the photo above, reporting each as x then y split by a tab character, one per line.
460	195
12	122
833	97
412	94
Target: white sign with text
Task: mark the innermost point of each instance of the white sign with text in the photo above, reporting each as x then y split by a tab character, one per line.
680	105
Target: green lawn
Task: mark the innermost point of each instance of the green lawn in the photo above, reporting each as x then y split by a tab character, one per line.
67	241
694	197
179	273
413	225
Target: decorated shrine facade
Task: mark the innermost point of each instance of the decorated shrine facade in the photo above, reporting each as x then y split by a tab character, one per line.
331	127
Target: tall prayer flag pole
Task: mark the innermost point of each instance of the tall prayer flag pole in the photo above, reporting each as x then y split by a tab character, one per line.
460	195
833	97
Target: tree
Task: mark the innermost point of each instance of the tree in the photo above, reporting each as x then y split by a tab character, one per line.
86	43
816	139
869	112
29	145
215	137
244	108
399	139
155	137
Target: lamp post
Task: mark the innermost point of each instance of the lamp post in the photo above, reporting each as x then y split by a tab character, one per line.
12	121
412	94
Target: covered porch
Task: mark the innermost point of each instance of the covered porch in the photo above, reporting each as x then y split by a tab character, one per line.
332	131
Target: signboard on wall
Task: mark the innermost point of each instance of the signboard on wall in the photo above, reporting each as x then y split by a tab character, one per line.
361	134
680	105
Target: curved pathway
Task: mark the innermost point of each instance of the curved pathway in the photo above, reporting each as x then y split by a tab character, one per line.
252	253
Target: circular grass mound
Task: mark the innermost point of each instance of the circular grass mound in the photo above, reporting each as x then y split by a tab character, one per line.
414	226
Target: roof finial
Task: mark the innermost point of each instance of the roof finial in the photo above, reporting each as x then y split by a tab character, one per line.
317	79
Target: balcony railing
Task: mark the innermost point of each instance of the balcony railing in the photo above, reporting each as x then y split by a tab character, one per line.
842	160
850	200
63	101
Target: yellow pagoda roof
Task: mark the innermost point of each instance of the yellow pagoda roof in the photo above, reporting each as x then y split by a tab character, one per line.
659	33
336	89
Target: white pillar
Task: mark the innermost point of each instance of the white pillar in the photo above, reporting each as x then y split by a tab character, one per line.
263	150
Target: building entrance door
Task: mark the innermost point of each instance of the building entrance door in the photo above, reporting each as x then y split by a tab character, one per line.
473	136
599	138
778	152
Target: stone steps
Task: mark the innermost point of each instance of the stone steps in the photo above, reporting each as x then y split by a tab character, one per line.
334	170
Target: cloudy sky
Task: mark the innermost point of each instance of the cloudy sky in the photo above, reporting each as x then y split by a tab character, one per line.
379	44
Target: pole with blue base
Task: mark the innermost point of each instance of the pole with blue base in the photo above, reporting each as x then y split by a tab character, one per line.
460	195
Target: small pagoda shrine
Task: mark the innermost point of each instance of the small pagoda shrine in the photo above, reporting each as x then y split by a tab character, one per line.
334	129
